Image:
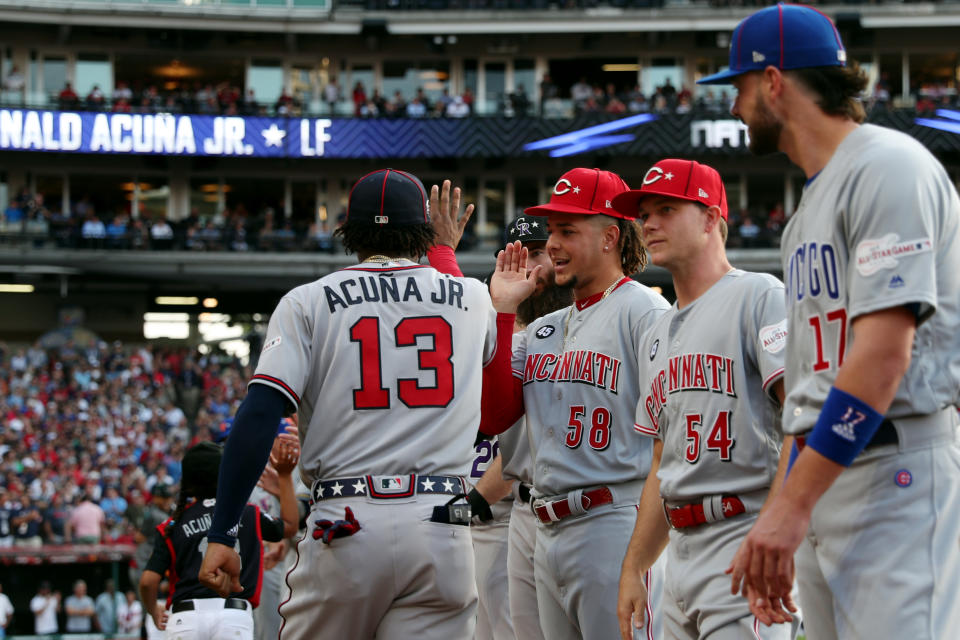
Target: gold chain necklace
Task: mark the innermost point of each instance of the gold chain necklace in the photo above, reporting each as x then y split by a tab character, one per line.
380	258
566	324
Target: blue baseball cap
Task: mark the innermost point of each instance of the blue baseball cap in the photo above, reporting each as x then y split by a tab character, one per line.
785	36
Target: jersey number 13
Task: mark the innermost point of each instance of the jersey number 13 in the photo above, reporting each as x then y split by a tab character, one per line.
438	359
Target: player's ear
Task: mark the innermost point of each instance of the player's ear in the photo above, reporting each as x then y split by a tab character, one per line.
771	82
711	218
611	235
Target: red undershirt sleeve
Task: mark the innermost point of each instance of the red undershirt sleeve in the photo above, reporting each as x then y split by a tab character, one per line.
442	258
502	400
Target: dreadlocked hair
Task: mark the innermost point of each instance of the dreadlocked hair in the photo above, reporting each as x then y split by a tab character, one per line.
633	257
405	241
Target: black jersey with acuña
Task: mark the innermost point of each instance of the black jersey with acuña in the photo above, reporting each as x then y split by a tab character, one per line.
181	543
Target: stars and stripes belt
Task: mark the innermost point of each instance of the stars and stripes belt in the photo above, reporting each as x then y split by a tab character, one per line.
387	487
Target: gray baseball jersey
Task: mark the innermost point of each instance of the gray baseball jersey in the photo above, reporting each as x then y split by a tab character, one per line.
579	368
382	361
858	244
712	365
877	228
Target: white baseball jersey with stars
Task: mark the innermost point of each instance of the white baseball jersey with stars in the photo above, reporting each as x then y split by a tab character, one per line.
706	391
383	363
857	245
579	368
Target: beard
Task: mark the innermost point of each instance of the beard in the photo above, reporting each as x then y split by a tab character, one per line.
765	129
552	297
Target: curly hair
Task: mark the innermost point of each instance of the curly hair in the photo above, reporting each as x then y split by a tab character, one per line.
400	242
633	255
839	90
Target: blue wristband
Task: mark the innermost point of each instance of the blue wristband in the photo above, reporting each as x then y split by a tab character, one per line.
794	452
845	426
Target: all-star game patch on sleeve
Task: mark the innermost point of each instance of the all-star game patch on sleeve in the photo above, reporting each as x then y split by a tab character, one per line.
285	357
894	220
769	329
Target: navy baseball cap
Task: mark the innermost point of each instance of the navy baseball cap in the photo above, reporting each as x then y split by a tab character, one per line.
785	36
388	198
528	229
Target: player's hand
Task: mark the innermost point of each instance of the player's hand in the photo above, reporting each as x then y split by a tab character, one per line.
273	553
220	570
445	214
286	451
511	284
269	481
160	618
770	610
764	561
631	603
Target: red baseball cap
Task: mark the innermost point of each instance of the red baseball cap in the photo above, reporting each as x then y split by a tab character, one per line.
675	178
584	191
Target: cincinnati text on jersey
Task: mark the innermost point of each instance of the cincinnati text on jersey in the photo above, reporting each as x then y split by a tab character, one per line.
390	288
587	367
689	372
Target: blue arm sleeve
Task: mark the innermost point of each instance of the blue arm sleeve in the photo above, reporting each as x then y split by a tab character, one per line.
244	457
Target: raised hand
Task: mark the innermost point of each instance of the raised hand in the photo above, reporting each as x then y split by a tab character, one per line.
445	214
511	284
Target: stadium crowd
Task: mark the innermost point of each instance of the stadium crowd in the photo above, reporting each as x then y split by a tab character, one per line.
90	437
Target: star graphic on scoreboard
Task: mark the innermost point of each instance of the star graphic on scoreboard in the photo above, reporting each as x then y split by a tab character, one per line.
576	189
427	485
337	489
359	488
448	486
273	136
668	176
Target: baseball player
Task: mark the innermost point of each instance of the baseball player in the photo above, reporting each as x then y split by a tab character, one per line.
195	611
382	362
871	263
504	529
576	379
711	399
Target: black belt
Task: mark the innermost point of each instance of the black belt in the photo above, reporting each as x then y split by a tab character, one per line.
229	603
523	492
886	434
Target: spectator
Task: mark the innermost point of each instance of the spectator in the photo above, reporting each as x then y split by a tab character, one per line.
116	232
6	613
331	94
416	109
55	518
45	606
86	522
615	106
95	99
109	606
68	98
520	102
548	90
122	92
637	101
6	519
114	506
359	98
13	213
285	104
468	99
580	92
444	101
130	615
93	231
15	83
250	105
749	232
161	234
80	610
458	108
369	110
26	524
155	513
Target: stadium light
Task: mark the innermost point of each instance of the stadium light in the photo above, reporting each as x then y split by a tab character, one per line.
176	300
16	288
210	303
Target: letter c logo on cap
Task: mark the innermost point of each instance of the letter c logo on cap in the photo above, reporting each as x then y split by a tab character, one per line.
653	175
558	190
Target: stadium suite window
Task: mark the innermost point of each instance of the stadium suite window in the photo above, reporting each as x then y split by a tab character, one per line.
406	77
93	70
266	79
52	72
658	72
